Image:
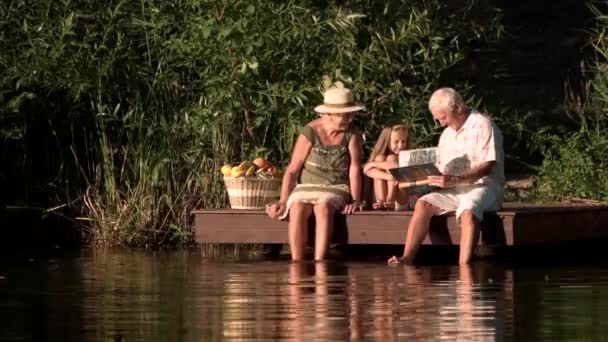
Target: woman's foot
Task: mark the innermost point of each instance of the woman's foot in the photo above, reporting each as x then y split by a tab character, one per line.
394	260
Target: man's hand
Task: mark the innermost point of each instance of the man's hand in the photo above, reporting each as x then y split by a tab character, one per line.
444	181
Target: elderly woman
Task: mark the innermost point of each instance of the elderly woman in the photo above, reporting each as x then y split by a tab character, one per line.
324	174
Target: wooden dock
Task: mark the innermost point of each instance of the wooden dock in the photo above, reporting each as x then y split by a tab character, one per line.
516	224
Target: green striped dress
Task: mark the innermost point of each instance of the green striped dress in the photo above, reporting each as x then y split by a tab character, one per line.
325	176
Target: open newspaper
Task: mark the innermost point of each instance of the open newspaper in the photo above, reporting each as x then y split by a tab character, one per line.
414	175
419	164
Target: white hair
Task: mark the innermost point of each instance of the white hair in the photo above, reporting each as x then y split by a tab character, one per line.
447	98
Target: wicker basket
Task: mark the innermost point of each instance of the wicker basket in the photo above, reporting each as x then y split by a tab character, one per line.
252	192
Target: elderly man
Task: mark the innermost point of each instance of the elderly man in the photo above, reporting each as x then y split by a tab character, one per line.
471	159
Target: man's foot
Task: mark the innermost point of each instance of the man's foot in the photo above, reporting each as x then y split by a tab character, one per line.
396	261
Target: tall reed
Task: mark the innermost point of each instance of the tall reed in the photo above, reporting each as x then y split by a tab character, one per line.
575	164
138	103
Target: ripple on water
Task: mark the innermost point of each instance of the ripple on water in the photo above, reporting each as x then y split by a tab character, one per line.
171	296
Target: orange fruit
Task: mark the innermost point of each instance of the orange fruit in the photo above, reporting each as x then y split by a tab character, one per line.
273	170
260	163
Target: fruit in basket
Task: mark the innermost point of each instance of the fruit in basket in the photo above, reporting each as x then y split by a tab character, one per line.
237	172
244	165
226	169
273	171
269	171
259	167
250	171
260	163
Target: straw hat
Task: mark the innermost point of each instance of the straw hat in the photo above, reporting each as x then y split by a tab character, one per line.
338	101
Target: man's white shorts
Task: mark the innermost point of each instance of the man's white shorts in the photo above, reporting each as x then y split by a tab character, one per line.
476	198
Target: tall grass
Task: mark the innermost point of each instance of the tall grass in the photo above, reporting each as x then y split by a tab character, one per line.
575	163
125	110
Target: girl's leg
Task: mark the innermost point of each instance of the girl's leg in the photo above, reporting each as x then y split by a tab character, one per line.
401	199
380	188
298	228
324	216
392	189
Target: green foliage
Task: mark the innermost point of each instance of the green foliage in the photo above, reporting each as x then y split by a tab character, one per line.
126	110
575	165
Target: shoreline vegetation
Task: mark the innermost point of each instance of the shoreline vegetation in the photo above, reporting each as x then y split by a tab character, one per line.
116	116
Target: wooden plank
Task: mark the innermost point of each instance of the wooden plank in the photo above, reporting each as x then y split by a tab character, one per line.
368	227
559	224
516	224
237	226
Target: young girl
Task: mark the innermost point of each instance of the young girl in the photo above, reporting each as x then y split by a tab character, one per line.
385	156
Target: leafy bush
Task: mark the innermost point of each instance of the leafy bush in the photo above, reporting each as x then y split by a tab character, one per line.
575	165
124	111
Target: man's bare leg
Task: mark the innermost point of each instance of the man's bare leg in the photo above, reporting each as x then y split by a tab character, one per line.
324	216
465	303
298	228
416	232
469	235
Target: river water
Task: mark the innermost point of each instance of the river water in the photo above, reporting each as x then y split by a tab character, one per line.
118	295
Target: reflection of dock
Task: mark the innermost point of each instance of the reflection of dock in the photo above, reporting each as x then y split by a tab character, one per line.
360	301
516	224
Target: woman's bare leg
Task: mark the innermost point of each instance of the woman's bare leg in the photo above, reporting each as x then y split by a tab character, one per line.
324	216
321	297
296	300
298	228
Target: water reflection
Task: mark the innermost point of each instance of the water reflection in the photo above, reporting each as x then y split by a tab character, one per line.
429	303
371	302
318	298
179	296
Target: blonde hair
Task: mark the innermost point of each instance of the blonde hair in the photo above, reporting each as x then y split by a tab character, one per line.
382	146
448	98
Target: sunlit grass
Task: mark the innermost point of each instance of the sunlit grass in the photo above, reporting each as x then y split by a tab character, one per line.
125	111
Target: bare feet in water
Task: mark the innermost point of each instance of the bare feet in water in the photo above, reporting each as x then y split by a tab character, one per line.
394	260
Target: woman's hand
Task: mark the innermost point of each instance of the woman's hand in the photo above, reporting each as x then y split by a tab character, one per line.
275	210
352	207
